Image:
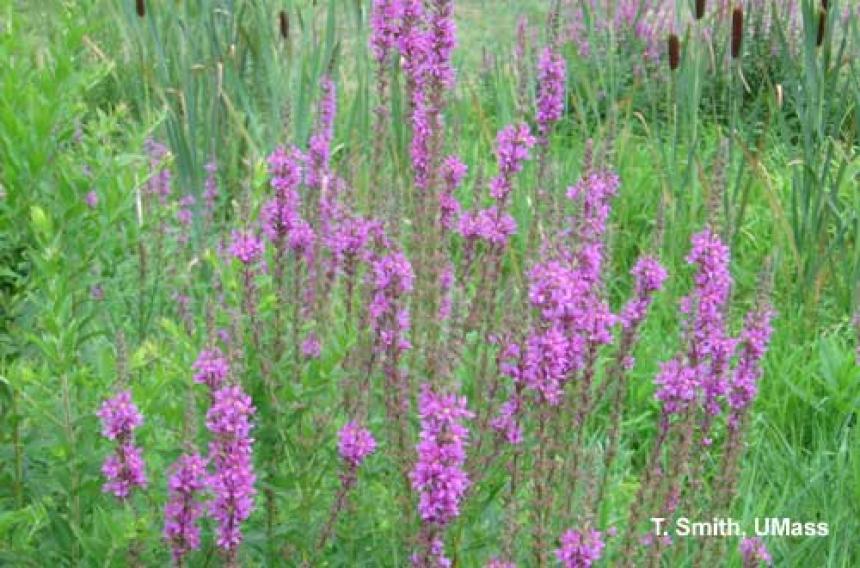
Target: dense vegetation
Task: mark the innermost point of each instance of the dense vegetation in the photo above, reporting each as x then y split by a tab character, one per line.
383	282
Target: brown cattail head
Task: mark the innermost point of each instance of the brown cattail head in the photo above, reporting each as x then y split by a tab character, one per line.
700	9
284	20
822	26
674	52
737	31
141	8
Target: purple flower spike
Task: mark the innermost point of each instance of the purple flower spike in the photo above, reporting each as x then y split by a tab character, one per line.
754	552
552	75
512	150
211	368
438	476
754	340
580	549
384	27
246	247
119	417
124	471
311	347
188	479
355	444
677	387
650	276
453	172
229	420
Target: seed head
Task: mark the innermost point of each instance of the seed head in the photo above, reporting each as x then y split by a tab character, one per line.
674	52
737	31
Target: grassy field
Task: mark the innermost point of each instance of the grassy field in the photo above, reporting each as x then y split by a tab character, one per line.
108	285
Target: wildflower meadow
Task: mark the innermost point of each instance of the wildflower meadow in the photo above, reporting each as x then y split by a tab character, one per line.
429	283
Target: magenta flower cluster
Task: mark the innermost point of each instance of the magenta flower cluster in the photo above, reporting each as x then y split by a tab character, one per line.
392	278
124	469
355	444
232	482
280	216
754	553
754	340
580	549
384	27
159	183
649	277
704	375
453	172
552	75
246	247
211	368
494	224
438	475
319	146
512	150
188	479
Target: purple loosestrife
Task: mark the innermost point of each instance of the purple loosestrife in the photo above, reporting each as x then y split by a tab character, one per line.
319	146
280	216
211	368
159	183
711	347
490	225
493	224
453	172
512	150
391	281
92	199
187	480
123	470
552	75
354	444
412	44
246	247
547	359
210	188
311	347
580	549
649	276
754	340
185	217
232	482
446	283
422	130
754	553
499	563
439	476
384	28
441	42
677	386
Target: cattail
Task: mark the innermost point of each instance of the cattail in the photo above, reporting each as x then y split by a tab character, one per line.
674	52
825	4
141	8
737	31
284	19
822	24
700	9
